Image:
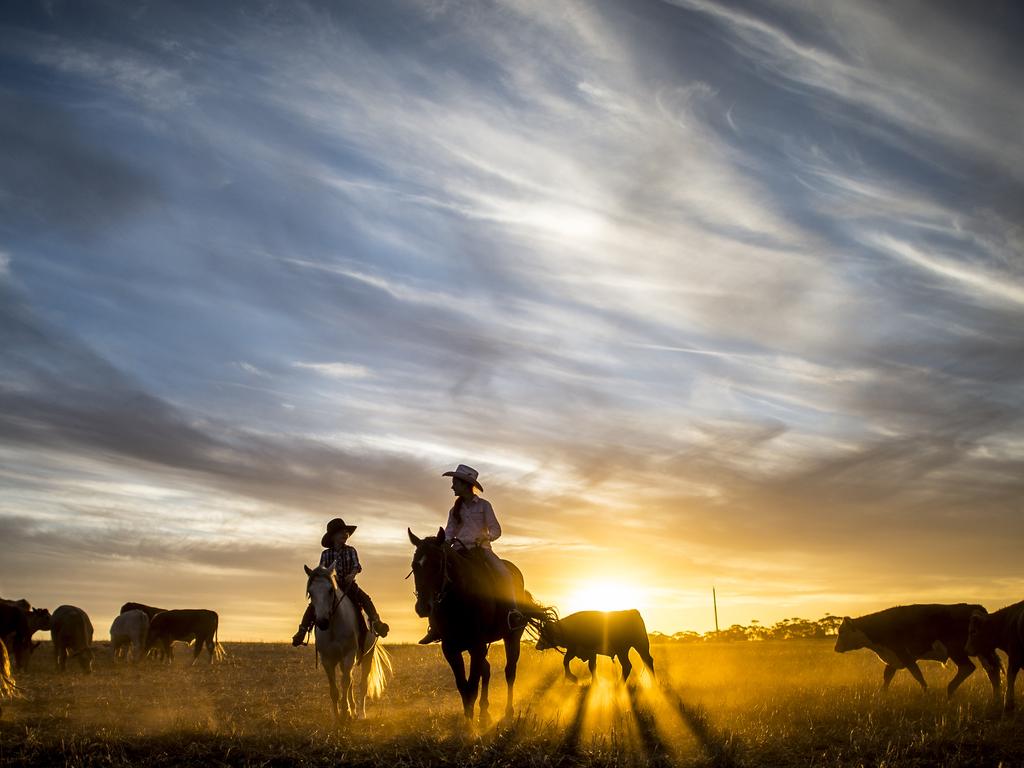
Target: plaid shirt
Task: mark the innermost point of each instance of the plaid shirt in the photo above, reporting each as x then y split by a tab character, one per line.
345	561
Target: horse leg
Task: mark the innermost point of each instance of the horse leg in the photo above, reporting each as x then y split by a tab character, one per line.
485	679
454	658
346	687
511	662
477	658
332	684
197	648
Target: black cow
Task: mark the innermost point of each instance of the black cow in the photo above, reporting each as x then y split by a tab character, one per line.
149	610
906	634
71	632
1003	629
185	625
586	634
15	634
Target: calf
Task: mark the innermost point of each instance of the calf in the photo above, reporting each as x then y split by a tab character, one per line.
586	634
71	632
1004	630
906	634
128	633
185	625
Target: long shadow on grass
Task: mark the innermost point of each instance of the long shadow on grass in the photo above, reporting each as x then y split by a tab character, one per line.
569	746
655	750
720	746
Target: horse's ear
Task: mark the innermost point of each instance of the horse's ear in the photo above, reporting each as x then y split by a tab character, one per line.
440	534
307	570
412	538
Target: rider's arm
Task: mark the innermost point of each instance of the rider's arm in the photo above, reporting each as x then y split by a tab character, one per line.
491	525
449	528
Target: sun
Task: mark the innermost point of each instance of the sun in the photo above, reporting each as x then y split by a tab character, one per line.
603	595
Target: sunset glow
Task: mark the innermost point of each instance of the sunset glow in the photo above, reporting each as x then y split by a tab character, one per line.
714	295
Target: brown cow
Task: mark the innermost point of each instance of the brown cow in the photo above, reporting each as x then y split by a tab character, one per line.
15	634
586	634
906	634
71	632
149	610
185	625
1003	629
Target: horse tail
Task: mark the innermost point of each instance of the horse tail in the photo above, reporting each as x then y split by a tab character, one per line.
380	671
537	615
8	688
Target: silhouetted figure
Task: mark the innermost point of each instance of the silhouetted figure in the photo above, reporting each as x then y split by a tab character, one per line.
344	561
472	526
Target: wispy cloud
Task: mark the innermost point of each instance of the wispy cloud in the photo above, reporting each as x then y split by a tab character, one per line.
698	287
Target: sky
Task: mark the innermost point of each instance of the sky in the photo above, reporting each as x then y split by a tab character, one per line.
712	294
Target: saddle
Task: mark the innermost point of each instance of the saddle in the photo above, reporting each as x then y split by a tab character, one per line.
482	575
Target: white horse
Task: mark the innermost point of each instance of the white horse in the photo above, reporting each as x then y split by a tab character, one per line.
337	643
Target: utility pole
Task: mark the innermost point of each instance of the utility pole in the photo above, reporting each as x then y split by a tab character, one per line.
714	600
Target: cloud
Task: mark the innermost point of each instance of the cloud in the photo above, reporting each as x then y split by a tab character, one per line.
337	370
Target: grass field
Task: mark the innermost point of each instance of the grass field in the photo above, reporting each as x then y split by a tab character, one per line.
746	704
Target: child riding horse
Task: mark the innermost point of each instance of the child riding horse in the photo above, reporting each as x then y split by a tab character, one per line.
345	561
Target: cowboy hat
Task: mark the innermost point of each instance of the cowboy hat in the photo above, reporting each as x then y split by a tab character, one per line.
333	527
465	473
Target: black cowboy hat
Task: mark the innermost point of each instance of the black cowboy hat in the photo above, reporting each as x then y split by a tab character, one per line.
333	527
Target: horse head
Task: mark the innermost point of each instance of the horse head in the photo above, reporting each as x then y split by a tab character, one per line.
322	588
429	570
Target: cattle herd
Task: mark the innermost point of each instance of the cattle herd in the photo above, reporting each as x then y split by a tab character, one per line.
900	636
139	630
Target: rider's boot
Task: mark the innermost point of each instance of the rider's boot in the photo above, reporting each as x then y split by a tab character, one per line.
304	626
379	626
432	636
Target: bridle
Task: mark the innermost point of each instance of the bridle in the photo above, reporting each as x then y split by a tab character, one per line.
339	594
446	579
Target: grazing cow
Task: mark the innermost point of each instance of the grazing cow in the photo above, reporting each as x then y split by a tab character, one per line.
149	610
38	618
188	624
15	634
586	634
1003	629
906	634
128	634
71	632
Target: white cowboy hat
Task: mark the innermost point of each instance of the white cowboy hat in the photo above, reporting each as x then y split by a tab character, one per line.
468	474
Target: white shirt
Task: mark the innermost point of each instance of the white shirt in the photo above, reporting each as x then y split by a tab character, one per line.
479	525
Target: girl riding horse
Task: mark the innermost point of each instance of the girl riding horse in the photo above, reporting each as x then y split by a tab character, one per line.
472	526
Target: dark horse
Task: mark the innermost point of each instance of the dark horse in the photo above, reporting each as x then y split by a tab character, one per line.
455	590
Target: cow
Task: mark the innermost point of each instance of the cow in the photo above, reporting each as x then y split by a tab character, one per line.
906	634
187	624
15	634
586	634
149	610
38	618
71	632
1003	629
128	634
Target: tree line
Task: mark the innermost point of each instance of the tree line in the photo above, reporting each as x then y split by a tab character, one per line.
786	629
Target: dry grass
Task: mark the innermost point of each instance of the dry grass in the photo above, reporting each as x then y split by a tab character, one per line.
748	704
